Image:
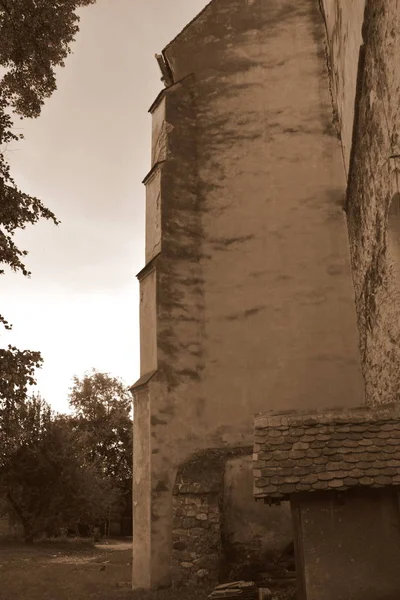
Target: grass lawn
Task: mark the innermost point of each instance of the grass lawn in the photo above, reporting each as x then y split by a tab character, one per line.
74	571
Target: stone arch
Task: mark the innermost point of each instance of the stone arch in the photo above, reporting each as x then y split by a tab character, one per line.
219	531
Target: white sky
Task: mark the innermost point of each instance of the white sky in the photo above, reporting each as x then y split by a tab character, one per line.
85	158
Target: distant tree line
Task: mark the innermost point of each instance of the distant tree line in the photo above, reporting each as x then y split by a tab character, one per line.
67	471
55	470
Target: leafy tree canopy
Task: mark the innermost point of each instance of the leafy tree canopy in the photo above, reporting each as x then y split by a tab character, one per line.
102	407
45	477
35	39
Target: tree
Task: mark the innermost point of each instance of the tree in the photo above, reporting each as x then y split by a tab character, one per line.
22	423
35	39
102	407
16	373
46	479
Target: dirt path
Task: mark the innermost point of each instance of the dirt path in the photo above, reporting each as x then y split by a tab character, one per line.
75	571
100	554
115	545
66	572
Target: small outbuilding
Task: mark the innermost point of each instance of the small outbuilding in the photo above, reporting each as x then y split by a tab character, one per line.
340	469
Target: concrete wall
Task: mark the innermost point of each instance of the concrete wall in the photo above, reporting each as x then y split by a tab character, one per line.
351	546
254	298
372	197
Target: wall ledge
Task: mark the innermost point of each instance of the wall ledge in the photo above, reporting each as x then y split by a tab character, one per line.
142	381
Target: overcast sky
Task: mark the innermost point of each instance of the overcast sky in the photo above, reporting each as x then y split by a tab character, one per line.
85	157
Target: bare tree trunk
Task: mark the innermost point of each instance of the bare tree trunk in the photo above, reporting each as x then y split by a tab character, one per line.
26	524
28	536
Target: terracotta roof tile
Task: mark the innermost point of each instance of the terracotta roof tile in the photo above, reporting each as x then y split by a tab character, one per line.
332	450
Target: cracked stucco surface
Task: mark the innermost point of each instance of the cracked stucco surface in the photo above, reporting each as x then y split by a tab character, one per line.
253	302
344	19
372	198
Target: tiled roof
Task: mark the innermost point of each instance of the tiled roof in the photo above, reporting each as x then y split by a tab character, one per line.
326	450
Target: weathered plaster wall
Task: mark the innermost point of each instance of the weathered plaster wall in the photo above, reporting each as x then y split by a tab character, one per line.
175	394
159	133
373	175
351	546
153	216
255	306
253	531
274	252
372	198
344	20
393	246
148	321
141	574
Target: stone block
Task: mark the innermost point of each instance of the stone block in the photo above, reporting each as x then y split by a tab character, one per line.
202	517
179	546
196	532
214	518
189	523
178	575
179	532
208	561
202	573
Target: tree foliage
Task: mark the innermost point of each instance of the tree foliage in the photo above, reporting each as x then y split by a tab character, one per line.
35	39
51	467
102	408
45	476
18	367
56	470
21	424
